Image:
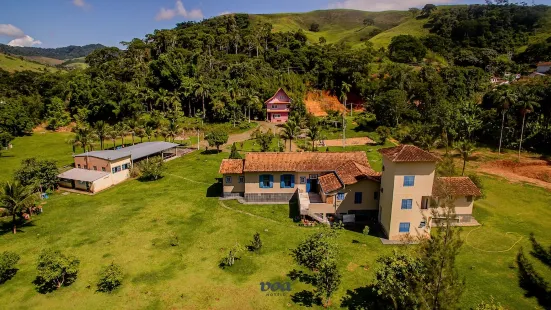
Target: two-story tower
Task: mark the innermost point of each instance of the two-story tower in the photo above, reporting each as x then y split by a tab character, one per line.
278	107
406	188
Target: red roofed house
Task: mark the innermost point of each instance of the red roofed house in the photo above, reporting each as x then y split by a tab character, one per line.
344	186
278	107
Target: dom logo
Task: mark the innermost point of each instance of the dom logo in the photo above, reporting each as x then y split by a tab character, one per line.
275	287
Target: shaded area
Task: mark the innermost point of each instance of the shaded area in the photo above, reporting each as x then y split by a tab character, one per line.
6	226
7	275
44	287
533	283
364	298
539	252
215	190
306	298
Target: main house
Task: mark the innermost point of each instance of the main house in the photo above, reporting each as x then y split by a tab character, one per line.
332	185
98	170
278	107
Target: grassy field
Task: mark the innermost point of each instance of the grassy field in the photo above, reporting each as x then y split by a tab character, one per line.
134	224
14	63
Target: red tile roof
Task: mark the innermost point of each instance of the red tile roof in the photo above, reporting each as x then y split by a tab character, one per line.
347	174
454	186
231	166
275	100
545	63
301	162
329	182
408	153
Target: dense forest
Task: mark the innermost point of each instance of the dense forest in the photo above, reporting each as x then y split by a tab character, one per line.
428	90
67	52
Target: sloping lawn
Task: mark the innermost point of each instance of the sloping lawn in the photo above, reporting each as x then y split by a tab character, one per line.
135	224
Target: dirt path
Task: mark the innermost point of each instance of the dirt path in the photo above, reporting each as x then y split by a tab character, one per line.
244	136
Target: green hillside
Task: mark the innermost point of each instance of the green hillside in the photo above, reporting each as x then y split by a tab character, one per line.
12	63
335	25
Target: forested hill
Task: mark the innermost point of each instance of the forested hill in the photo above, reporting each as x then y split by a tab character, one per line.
67	52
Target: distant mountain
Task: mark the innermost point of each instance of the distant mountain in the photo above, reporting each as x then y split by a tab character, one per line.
61	53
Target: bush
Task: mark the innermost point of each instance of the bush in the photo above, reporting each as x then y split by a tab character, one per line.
110	278
152	168
229	259
478	182
7	265
314	27
55	270
256	244
38	173
384	134
217	138
366	230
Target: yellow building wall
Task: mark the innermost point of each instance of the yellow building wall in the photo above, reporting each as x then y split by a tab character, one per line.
394	176
386	192
367	188
122	175
234	186
101	184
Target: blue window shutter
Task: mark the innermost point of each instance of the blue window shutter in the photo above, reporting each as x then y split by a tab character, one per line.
292	181
308	185
260	181
271	181
282	181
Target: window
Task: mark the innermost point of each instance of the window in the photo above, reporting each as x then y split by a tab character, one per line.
340	196
409	180
95	168
274	106
302	180
406	204
228	179
376	195
126	166
313	177
103	169
422	224
287	181
277	115
116	169
78	166
358	197
469	198
404	228
85	166
425	203
241	179
266	181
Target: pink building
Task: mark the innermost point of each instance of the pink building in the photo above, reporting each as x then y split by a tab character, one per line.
278	107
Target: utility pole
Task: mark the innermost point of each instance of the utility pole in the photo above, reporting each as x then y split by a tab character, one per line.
198	140
344	129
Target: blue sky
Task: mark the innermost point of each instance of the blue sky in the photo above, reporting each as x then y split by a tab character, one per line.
55	23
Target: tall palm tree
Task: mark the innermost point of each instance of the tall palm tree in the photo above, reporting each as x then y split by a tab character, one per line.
172	130
101	128
345	89
112	134
121	130
162	98
131	127
84	137
15	197
290	131
506	97
202	90
313	133
252	100
465	149
149	132
140	132
526	102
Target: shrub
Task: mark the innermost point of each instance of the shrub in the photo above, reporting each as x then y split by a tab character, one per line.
314	27
478	182
256	244
229	259
7	265
384	133
216	138
152	168
234	153
55	270
38	173
110	278
366	230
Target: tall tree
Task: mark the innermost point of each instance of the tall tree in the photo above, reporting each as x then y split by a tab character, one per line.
314	132
290	131
15	198
465	149
506	98
101	129
526	103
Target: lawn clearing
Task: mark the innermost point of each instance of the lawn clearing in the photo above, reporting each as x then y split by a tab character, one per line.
134	223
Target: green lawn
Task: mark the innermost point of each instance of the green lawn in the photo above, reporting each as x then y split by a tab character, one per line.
14	63
133	223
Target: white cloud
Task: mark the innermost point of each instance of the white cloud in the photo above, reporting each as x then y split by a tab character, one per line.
225	13
178	10
10	31
24	41
380	5
79	3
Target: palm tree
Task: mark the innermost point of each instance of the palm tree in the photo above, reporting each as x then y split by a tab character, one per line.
290	130
313	133
140	132
202	90
112	134
84	137
132	127
465	149
121	130
15	197
149	132
506	98
527	102
345	89
101	128
252	100
172	130
162	98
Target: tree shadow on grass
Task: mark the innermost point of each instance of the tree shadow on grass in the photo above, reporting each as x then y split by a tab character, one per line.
8	275
363	298
44	287
306	298
215	190
301	276
539	252
6	227
210	152
533	284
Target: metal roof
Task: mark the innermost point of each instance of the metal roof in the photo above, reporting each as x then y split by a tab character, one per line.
135	152
83	175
